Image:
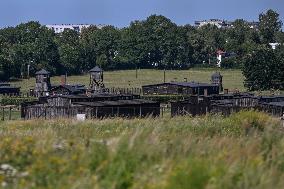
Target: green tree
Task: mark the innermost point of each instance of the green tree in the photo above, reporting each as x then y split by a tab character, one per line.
197	41
280	37
280	65
88	44
155	42
107	40
162	43
237	36
205	40
261	69
133	45
269	26
69	51
27	44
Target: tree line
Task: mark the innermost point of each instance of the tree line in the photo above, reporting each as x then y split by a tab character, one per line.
156	42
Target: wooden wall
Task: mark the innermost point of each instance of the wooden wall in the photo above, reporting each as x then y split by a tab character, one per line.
171	89
201	105
50	112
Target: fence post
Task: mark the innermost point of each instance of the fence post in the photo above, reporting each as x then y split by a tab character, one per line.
10	112
3	114
118	111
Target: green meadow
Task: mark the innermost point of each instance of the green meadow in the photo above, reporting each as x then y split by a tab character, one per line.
242	151
233	79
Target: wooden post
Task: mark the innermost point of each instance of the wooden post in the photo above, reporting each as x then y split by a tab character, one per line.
3	114
205	92
96	112
90	80
198	91
10	113
140	111
164	75
136	73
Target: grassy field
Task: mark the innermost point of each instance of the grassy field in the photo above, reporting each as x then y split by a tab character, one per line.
127	78
242	151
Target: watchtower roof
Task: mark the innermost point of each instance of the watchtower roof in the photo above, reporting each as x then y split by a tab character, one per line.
96	69
217	74
42	72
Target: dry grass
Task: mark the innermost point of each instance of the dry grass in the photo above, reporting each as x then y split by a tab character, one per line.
244	150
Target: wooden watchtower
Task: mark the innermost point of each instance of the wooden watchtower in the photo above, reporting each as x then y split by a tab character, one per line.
217	79
96	79
43	85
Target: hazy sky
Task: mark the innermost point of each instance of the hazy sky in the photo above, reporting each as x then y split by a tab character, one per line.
120	12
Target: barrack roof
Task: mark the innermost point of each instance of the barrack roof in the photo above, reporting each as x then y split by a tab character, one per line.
42	72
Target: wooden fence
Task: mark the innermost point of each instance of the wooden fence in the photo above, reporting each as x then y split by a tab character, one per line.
131	91
48	112
8	112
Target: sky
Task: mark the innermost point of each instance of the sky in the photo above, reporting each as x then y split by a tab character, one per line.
121	12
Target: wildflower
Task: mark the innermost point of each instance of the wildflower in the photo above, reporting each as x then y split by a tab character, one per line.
8	170
59	145
4	184
9	173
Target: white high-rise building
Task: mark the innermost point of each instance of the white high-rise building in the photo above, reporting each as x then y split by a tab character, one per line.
223	23
274	45
59	28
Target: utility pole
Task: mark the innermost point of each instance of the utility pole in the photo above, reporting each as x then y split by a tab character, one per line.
136	73
164	75
29	71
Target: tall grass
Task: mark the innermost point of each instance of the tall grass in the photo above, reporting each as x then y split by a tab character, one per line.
244	150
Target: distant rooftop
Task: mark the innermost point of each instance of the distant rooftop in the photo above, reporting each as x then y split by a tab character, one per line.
192	84
222	23
42	72
59	28
96	69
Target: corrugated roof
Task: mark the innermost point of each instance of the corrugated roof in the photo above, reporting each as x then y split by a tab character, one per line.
9	87
271	97
96	69
115	103
185	84
71	88
281	104
42	72
216	74
93	96
5	84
